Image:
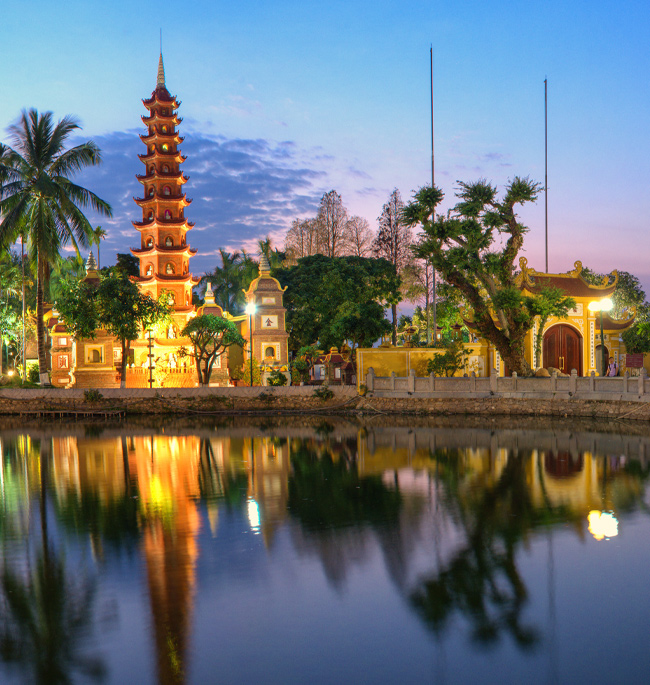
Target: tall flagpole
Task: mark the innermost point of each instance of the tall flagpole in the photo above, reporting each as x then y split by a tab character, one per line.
435	325
546	168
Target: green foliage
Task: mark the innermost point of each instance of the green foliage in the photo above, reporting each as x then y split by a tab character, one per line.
32	372
243	373
229	280
211	336
637	338
127	263
77	305
296	374
93	395
277	379
474	249
326	296
628	295
323	393
41	202
452	360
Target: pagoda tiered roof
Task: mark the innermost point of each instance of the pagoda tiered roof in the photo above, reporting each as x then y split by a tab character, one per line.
161	249
165	118
570	283
151	223
156	197
171	136
171	155
165	176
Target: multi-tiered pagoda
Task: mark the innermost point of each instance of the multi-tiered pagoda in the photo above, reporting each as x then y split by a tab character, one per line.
164	253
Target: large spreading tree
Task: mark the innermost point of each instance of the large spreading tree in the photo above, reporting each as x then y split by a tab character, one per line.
116	305
474	249
329	300
37	193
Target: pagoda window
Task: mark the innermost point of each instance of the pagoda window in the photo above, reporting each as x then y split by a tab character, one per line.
166	169
187	298
151	215
149	271
167	190
170	268
149	241
164	129
152	169
168	214
270	352
171	298
169	242
151	191
151	148
165	147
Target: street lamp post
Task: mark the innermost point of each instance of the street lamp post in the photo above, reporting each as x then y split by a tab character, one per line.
150	336
250	310
601	306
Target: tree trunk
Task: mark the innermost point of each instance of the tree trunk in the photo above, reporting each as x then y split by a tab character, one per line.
515	360
44	378
125	352
393	308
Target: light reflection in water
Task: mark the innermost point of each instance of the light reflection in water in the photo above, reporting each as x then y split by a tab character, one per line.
603	524
478	497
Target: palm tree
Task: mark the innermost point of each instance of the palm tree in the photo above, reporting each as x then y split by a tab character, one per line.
36	188
98	234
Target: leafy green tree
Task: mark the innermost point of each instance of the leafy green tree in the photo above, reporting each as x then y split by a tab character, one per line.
637	338
629	294
318	286
66	270
127	263
474	249
115	305
37	192
361	323
230	280
211	336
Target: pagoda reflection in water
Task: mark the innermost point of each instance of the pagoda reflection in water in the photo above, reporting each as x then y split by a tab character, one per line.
150	488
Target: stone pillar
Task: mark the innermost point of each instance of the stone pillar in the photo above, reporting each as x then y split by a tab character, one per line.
493	381
592	381
514	381
626	377
573	382
370	380
432	382
642	377
472	381
411	381
554	381
392	380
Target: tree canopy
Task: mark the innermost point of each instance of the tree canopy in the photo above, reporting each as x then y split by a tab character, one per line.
211	336
474	249
329	299
38	196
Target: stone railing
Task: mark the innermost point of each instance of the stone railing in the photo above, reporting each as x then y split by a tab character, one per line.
587	387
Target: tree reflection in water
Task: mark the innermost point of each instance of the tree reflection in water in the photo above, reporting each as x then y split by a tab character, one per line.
47	613
482	581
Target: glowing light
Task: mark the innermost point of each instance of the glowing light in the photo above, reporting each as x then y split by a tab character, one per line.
250	308
602	524
603	305
254	515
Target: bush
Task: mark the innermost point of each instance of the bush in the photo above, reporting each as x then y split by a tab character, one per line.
277	378
637	338
93	395
450	361
32	372
243	373
323	393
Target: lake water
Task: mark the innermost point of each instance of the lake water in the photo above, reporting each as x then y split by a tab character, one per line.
325	551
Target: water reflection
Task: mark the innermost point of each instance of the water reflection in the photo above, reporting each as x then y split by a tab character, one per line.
453	513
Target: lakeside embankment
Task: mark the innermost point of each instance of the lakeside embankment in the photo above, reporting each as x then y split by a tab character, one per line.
303	400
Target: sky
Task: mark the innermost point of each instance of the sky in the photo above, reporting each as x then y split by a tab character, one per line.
284	101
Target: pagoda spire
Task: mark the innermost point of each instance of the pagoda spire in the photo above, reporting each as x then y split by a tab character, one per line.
161	72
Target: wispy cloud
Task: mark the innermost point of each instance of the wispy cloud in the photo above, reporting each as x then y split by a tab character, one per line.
242	190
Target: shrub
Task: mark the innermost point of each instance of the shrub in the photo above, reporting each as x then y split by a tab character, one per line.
323	393
32	372
450	361
93	395
277	378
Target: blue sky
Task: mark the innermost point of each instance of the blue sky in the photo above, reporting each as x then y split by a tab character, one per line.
284	101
